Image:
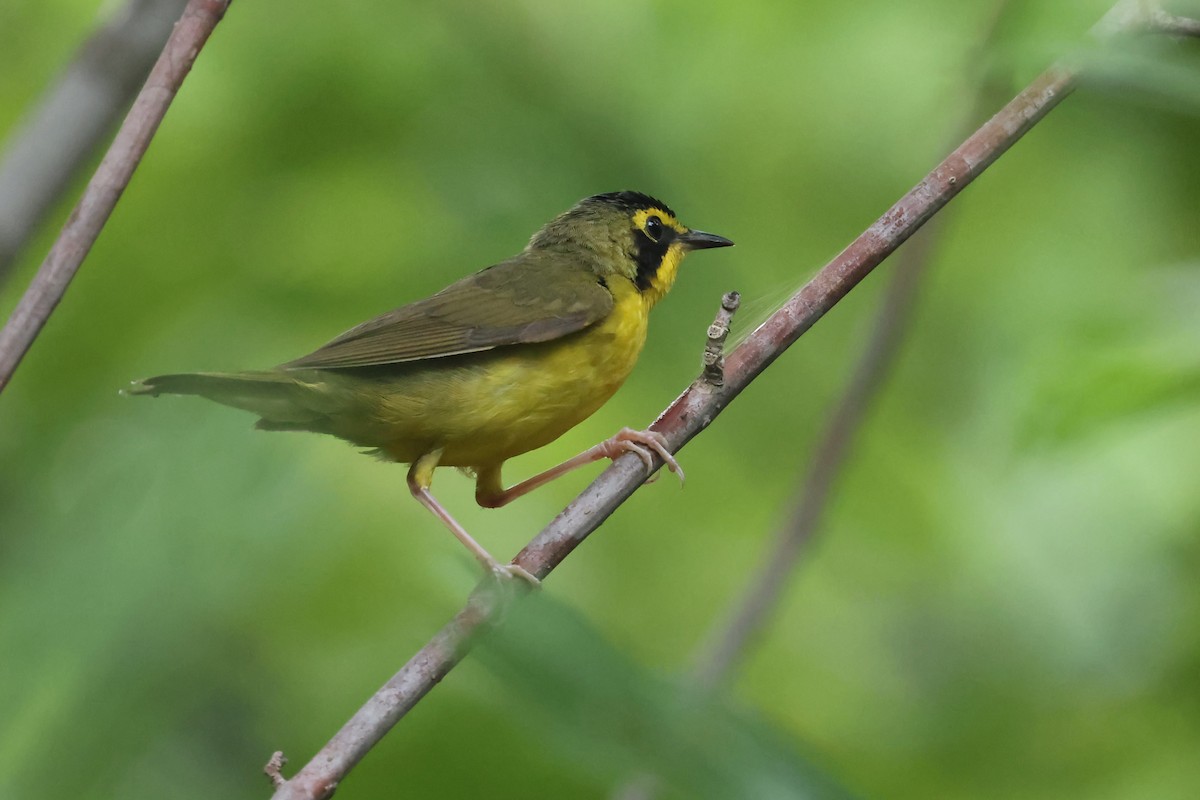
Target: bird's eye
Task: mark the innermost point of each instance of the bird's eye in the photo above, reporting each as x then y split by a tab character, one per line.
654	228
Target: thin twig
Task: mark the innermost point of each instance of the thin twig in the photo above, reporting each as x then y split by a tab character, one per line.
691	413
730	639
74	114
274	768
729	642
1175	25
110	180
1144	17
714	350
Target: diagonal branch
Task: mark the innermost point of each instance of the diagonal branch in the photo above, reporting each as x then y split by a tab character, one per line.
729	640
718	657
691	413
1145	17
732	636
111	178
60	135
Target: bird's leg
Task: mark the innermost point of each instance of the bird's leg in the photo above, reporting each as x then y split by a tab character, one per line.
420	477
489	491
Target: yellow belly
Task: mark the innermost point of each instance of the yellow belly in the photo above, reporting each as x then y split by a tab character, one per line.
483	408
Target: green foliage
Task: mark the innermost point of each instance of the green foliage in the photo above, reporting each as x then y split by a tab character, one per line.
596	708
1004	599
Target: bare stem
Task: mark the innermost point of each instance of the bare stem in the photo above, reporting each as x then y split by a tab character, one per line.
691	413
1144	17
1175	25
59	136
112	176
731	640
732	637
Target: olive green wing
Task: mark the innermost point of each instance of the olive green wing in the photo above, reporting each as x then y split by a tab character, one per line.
525	299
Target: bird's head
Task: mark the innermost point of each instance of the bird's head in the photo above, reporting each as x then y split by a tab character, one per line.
626	235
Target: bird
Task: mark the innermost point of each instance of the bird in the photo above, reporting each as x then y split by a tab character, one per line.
497	364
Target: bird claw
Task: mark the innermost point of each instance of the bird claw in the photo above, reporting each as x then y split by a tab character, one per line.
640	443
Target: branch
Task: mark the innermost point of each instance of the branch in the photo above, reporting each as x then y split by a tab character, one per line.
691	413
727	643
731	637
1170	24
111	178
1144	17
59	136
716	659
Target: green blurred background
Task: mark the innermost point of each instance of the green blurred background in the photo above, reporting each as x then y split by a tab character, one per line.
1004	600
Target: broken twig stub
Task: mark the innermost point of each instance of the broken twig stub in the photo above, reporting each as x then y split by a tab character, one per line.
274	768
714	348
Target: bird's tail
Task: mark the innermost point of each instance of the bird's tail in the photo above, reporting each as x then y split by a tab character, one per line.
283	402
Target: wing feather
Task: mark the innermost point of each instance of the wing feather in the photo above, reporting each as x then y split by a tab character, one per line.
526	299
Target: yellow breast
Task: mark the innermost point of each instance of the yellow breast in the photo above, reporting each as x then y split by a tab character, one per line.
489	407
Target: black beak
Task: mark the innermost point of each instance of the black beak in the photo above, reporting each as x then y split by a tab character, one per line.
699	240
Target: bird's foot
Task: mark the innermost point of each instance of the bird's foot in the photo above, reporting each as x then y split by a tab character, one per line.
641	443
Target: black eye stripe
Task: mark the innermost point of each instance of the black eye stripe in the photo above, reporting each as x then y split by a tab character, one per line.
648	255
